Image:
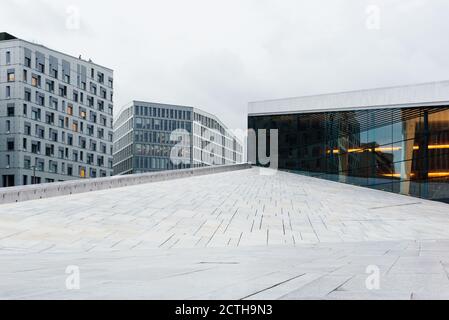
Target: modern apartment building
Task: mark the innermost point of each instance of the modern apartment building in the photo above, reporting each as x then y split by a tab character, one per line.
393	139
154	137
56	115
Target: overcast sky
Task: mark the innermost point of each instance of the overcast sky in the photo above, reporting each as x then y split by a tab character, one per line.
219	55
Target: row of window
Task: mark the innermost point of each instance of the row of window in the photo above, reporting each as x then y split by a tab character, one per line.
35	178
41	61
123	141
123	167
162	112
65	137
160	151
37	147
64	169
142	164
36	81
209	123
160	137
123	154
162	124
63	121
53	102
206	132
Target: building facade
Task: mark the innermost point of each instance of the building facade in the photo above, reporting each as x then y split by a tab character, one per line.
392	139
56	115
154	137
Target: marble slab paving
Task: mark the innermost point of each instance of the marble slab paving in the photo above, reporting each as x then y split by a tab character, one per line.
233	235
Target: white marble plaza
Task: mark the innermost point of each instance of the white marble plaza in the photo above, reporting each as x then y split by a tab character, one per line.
233	235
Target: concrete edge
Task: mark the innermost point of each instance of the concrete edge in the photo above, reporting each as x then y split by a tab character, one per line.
50	190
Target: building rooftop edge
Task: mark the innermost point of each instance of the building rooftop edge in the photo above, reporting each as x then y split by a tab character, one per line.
394	96
216	118
352	91
127	105
54	50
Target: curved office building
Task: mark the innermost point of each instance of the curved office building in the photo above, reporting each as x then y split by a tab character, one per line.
143	140
392	139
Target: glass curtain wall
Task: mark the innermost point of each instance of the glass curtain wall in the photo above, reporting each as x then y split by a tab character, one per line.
398	150
152	129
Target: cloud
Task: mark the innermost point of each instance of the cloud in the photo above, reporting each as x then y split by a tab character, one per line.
218	55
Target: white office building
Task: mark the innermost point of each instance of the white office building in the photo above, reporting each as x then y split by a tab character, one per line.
153	137
55	115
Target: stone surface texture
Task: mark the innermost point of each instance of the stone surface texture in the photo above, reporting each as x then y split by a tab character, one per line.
247	234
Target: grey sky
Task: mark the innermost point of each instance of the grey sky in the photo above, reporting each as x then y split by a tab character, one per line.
218	55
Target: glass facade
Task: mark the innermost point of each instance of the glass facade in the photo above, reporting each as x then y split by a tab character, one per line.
154	137
152	143
397	150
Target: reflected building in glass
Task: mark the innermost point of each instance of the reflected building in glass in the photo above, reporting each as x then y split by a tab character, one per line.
392	139
155	137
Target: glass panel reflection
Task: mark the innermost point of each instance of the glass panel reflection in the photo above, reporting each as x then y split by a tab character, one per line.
398	150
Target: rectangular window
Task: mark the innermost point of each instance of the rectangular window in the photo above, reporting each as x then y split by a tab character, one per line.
27	163
54	73
82	172
8	92
54	103
90	101
27	129
10	145
11	76
50	86
35	147
8	57
100	77
63	91
40	165
27	95
101	105
40	132
10	111
36	114
34	81
40	99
